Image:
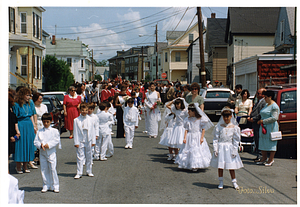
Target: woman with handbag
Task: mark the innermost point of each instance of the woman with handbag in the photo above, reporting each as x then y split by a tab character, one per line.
269	116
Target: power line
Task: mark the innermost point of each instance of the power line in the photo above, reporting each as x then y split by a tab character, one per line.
116	26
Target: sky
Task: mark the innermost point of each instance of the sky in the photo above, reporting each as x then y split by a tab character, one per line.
110	29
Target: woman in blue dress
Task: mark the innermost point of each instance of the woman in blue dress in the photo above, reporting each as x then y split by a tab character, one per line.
269	116
24	148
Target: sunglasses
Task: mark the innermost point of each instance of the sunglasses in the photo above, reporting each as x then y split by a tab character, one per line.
73	90
194	89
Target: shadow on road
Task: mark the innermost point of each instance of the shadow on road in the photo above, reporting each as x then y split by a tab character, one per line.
31	189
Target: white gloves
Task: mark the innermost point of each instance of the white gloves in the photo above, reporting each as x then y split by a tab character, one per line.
216	153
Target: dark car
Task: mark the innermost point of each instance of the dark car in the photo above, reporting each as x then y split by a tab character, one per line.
55	108
160	81
215	99
286	99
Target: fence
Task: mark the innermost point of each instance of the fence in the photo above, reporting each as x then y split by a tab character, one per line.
276	81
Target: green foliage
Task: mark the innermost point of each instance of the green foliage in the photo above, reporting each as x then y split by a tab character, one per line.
57	73
102	63
148	78
98	77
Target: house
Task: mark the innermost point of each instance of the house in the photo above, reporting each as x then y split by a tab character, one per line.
175	55
249	31
260	70
216	48
103	71
285	32
25	47
152	60
129	64
75	53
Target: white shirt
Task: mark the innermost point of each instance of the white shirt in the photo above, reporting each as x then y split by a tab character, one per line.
131	116
48	136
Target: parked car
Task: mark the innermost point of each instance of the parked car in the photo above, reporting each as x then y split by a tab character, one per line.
55	108
59	94
164	81
215	99
286	99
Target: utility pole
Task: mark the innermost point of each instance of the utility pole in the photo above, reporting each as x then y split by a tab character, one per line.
202	73
156	52
142	63
93	76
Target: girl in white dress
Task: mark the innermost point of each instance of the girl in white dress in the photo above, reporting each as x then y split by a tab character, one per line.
152	115
195	154
225	143
179	108
167	123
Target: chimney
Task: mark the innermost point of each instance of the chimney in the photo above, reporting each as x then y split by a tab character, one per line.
53	40
213	15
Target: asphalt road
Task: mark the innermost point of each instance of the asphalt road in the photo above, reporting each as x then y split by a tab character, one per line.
143	175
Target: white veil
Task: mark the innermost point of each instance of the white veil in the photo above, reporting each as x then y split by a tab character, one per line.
202	114
222	122
162	121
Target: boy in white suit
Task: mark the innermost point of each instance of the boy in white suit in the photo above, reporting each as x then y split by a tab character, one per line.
91	109
84	140
105	119
131	122
46	140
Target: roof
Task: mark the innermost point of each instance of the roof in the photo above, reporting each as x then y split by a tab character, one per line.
252	20
216	29
174	34
291	18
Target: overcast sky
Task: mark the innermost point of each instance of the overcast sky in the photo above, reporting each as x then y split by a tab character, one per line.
108	29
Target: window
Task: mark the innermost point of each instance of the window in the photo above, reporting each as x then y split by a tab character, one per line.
159	63
82	63
218	94
154	62
282	31
288	102
38	67
191	38
69	62
12	24
177	57
23	64
33	24
166	57
136	59
36	24
23	23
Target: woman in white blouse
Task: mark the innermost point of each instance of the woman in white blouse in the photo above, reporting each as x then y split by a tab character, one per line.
243	106
40	108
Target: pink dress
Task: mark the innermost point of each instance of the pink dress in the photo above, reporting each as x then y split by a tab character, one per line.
72	110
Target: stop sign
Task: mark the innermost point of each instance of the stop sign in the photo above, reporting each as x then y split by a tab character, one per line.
164	75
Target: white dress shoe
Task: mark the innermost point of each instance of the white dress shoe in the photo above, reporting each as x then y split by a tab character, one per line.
220	183
44	190
235	185
90	174
77	176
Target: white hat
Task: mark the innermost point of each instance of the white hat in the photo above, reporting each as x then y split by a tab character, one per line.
207	82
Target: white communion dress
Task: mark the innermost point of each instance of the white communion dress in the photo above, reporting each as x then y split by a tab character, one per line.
194	155
164	138
176	139
152	116
225	143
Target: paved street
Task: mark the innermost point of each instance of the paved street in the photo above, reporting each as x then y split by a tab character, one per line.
143	175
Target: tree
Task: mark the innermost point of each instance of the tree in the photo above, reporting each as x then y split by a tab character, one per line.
57	74
102	63
98	77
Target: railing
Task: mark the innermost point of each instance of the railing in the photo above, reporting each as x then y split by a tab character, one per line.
276	81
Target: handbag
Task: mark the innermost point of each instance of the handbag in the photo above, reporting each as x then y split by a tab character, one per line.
276	136
263	129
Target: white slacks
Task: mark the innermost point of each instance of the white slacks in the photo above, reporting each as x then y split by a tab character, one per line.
48	171
129	134
84	151
103	144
